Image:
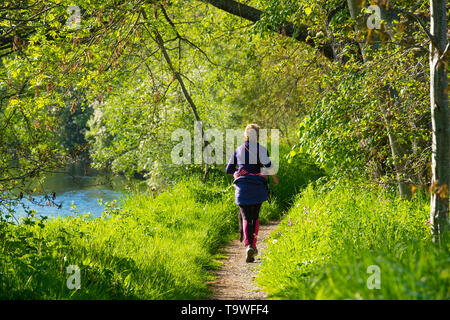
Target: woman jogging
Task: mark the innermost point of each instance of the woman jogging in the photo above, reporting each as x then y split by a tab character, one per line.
251	186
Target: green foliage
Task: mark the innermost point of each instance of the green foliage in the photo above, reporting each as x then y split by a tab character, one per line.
372	96
328	239
45	72
296	172
347	130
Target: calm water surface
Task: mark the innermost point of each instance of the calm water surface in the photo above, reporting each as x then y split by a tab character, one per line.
76	192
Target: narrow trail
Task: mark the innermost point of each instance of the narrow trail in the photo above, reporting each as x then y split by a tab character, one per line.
235	280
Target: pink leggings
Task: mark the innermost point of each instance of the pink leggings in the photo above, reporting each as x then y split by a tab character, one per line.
250	217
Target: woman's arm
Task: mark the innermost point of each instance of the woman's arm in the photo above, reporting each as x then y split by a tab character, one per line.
231	166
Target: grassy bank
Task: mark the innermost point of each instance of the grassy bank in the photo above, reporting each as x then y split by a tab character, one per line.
152	248
149	248
332	245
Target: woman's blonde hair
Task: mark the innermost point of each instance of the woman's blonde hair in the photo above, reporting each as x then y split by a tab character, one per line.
248	129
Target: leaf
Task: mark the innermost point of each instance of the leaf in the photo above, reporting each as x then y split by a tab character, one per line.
74	107
443	191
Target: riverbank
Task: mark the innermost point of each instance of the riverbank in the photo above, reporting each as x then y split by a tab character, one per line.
150	248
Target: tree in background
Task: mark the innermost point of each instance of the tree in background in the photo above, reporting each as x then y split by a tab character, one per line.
440	115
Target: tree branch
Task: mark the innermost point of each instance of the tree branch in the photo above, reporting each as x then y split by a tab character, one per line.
421	23
297	32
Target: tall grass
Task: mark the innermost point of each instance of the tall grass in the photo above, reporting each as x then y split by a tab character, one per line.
153	248
327	245
294	175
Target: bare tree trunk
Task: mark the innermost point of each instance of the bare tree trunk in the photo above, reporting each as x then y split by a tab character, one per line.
440	117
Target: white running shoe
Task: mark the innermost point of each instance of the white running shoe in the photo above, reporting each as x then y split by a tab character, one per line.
250	253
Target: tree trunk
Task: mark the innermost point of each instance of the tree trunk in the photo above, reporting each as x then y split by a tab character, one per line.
397	155
160	42
440	154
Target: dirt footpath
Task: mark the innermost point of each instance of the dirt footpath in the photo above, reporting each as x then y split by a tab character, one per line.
235	278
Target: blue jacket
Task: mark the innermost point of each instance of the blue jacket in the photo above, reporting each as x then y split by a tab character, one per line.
244	160
250	189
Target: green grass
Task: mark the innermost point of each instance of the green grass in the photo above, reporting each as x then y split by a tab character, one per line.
328	240
149	248
294	176
155	248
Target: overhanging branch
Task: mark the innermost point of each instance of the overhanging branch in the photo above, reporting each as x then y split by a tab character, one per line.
297	32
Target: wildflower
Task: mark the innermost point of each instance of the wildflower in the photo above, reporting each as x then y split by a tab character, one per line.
290	222
274	241
428	222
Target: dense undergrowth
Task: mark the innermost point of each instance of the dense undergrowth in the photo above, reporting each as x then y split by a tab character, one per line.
354	241
159	247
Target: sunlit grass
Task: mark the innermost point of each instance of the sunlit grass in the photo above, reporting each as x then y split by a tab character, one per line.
328	240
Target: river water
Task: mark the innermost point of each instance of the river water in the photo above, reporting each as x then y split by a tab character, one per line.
76	192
